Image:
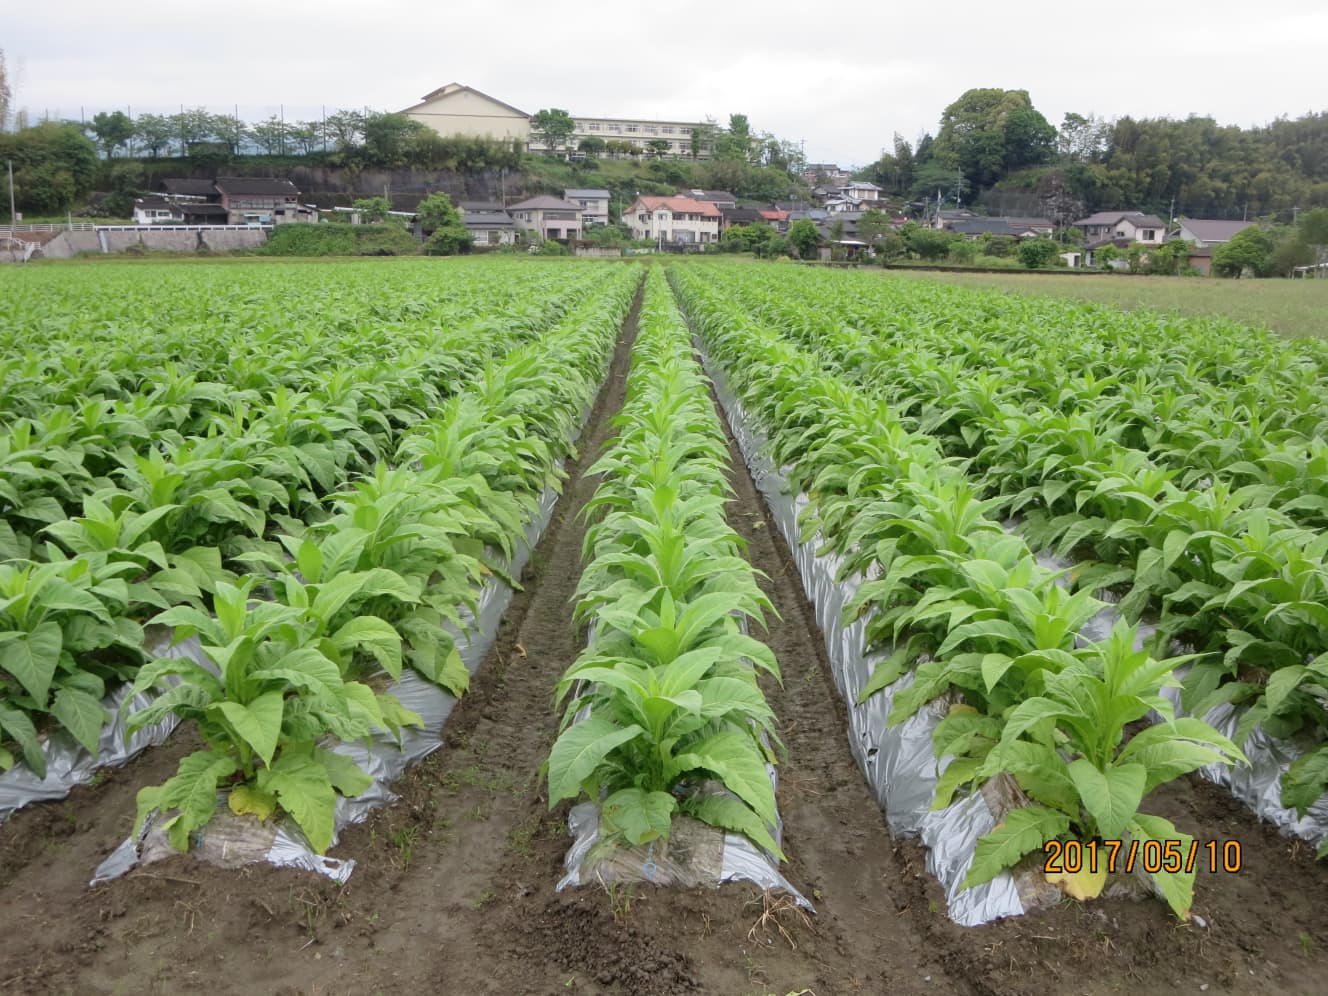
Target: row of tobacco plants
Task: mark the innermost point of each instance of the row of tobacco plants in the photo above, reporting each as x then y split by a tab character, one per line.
988	635
662	711
320	520
1190	482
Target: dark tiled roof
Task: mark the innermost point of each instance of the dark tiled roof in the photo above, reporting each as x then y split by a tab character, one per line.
1213	230
487	219
741	216
188	187
256	186
1136	218
544	203
480	206
986	226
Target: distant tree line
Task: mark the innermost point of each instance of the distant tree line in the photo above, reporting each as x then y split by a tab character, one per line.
344	138
993	140
56	163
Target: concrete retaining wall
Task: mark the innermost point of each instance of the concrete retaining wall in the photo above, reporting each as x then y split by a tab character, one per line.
67	244
226	241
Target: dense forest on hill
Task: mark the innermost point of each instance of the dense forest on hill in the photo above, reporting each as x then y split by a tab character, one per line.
993	146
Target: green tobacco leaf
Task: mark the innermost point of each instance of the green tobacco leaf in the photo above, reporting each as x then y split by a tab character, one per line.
81	714
731	814
377	636
192	790
1023	831
739	764
579	750
16	726
248	800
345	775
304	789
32	658
958	772
640	816
1169	750
1112	797
886	672
1176	887
454	675
64	596
1306	780
259	722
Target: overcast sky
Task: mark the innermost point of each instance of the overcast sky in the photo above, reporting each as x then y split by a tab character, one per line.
842	78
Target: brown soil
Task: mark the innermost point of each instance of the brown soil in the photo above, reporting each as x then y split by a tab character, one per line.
454	886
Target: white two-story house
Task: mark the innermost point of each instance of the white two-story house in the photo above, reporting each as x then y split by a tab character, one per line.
594	205
673	219
1130	226
547	217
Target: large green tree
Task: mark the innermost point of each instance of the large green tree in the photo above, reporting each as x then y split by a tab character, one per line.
735	143
112	130
989	132
552	127
804	238
154	133
1249	249
53	164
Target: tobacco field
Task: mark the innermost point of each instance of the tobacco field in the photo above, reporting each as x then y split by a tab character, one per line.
989	633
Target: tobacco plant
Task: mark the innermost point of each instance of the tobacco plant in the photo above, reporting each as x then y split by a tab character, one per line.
664	700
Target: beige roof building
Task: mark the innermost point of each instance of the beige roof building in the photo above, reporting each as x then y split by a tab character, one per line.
456	109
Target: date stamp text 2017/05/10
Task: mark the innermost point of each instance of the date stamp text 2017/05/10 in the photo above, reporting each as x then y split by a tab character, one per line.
1111	856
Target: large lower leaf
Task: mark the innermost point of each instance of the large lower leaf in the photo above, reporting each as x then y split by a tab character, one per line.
1176	887
579	750
738	762
640	816
731	814
1024	830
304	789
192	790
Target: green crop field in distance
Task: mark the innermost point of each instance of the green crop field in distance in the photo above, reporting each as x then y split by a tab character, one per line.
1291	307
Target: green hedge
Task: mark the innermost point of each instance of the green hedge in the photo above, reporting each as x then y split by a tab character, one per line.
340	240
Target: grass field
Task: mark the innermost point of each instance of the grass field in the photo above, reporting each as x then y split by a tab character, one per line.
1291	307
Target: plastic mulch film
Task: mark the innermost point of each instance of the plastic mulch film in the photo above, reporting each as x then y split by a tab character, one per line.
232	841
695	854
897	761
68	763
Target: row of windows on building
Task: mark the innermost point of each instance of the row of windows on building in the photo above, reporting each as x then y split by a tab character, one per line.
632	129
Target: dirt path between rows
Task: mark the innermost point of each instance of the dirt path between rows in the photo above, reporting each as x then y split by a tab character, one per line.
454	886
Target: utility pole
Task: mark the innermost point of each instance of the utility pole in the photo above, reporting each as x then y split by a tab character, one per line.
13	218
